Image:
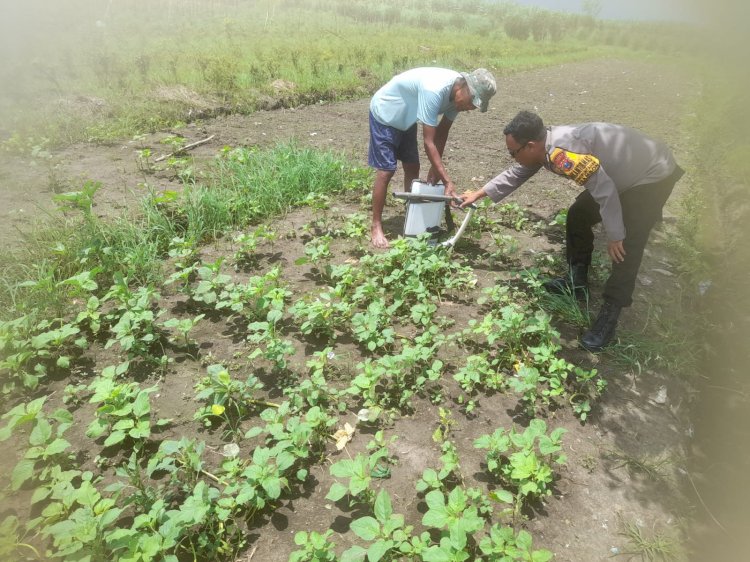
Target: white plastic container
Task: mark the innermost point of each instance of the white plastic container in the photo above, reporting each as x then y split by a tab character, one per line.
423	216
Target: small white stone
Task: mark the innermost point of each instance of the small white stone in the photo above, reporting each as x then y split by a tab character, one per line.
664	272
660	397
363	415
231	450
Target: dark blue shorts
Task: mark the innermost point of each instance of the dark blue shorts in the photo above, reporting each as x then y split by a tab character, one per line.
388	144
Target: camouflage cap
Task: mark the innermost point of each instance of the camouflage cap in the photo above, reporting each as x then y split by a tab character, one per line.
482	87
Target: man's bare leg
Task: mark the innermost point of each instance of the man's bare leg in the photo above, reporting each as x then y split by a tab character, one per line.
379	192
411	173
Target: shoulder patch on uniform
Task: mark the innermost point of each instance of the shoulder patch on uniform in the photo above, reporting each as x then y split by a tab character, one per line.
578	167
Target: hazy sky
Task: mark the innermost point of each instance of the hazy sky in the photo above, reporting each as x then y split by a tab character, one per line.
623	9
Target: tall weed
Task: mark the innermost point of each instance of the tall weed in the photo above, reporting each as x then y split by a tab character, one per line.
247	185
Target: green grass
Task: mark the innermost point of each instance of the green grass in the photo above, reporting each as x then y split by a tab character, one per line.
567	307
260	183
148	67
663	345
654	547
247	186
651	467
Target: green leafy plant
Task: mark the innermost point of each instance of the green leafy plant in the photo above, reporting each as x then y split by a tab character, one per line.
267	472
47	448
523	461
75	394
17	354
182	250
211	283
322	315
412	271
58	339
378	444
83	283
91	317
386	533
228	399
133	320
139	491
76	519
315	547
456	518
315	390
560	218
512	215
182	168
477	373
504	248
201	520
548	377
174	141
270	345
320	204
318	253
182	461
372	327
359	473
304	436
82	200
260	298
184	326
20	415
125	410
355	226
446	476
392	380
144	162
514	326
248	242
502	544
199	526
29	347
445	426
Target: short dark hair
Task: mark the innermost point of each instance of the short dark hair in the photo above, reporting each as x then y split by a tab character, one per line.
525	127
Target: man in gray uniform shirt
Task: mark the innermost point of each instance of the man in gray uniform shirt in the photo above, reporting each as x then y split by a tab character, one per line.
627	178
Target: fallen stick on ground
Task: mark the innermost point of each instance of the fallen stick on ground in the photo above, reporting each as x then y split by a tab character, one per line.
184	148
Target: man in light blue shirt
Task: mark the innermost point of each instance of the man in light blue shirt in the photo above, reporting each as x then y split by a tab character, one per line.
420	95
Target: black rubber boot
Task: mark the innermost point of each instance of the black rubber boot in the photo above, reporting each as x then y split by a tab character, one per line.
603	329
576	281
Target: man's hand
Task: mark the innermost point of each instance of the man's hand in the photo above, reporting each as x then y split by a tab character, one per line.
616	251
432	176
450	189
471	196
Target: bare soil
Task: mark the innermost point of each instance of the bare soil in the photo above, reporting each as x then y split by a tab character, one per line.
597	491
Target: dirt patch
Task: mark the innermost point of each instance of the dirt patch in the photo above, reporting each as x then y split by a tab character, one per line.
645	96
641	416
